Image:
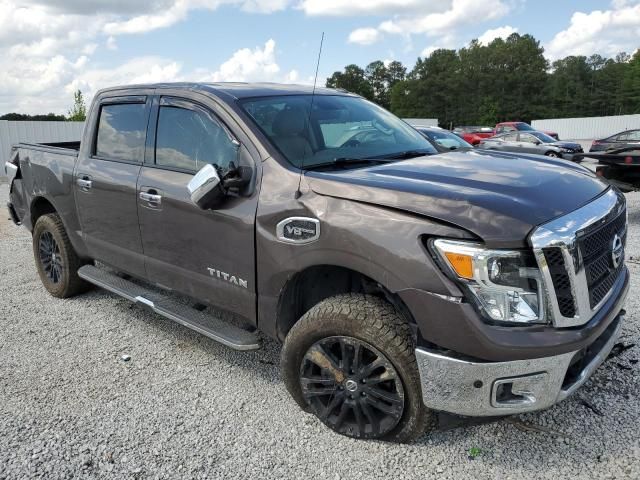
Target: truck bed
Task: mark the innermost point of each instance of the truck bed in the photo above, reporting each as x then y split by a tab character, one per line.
66	148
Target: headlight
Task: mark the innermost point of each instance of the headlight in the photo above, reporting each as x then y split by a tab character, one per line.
506	284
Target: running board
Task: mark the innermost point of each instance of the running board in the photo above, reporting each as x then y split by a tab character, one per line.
206	324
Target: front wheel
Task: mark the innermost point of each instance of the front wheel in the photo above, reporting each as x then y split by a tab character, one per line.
553	155
56	260
350	361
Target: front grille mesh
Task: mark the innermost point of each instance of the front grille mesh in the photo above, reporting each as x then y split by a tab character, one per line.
595	247
561	282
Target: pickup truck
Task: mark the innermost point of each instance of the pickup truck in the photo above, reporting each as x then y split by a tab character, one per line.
401	282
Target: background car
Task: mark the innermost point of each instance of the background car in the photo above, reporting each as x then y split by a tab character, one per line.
473	134
443	140
503	127
619	140
530	142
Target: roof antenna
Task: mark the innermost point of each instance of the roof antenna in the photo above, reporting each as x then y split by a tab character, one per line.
313	93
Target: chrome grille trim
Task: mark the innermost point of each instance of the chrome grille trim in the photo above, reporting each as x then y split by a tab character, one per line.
563	233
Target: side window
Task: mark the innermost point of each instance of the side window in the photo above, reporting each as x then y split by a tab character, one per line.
623	137
189	139
525	137
634	136
121	132
511	137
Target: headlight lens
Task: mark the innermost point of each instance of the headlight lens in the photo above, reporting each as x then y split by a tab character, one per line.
506	284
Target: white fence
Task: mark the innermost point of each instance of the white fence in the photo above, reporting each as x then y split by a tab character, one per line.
13	132
588	127
422	122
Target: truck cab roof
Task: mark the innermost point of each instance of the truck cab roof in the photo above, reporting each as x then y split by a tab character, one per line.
236	90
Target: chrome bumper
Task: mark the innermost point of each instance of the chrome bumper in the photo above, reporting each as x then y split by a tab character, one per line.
480	389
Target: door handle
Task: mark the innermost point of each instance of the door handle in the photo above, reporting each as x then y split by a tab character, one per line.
84	183
151	198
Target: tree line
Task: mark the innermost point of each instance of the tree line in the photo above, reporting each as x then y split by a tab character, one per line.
77	113
508	79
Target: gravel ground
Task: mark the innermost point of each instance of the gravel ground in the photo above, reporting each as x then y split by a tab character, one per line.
186	407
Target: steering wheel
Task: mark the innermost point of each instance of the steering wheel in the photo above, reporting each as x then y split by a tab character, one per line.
351	143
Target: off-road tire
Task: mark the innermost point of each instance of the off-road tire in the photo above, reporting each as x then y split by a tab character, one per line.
69	283
374	321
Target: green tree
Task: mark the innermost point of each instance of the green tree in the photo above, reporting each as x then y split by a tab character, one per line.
378	78
631	85
352	80
78	112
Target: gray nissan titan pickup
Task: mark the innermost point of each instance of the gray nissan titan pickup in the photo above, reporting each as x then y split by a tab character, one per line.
402	282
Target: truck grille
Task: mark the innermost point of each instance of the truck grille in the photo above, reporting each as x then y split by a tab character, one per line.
576	258
561	282
595	248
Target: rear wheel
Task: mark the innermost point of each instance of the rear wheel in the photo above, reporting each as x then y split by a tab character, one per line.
56	260
350	361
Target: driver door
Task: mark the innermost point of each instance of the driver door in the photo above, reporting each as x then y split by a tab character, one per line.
529	143
206	254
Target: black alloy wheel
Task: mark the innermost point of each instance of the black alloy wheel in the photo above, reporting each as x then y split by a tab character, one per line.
50	258
55	258
352	387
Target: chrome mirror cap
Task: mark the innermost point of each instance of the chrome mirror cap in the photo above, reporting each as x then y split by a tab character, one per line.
205	188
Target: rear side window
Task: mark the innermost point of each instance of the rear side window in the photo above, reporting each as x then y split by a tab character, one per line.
121	132
189	139
634	136
511	137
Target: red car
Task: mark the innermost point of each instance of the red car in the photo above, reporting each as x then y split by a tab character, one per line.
520	126
473	135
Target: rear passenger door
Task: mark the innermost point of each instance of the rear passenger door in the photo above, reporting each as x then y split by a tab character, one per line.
510	142
207	254
105	180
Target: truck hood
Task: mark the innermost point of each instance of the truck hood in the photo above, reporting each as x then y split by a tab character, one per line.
498	198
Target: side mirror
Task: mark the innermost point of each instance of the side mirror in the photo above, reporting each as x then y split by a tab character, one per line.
537	142
205	188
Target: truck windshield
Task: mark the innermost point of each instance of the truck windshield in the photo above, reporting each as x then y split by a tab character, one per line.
339	127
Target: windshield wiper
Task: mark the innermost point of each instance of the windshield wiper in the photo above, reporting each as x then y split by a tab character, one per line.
407	154
341	161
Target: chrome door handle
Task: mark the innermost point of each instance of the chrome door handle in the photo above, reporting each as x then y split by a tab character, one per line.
84	184
151	198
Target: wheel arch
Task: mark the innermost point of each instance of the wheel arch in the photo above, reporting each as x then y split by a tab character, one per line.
315	283
40	206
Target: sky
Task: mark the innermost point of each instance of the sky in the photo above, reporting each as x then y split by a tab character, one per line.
49	49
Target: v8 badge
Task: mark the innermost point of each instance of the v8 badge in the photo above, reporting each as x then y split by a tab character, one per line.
299	230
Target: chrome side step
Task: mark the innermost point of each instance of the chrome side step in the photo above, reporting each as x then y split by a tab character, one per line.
204	323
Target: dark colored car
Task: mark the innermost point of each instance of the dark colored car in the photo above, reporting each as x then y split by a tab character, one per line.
401	282
473	134
521	127
443	140
620	166
531	142
628	138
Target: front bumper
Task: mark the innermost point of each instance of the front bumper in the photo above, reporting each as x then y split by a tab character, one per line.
480	388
